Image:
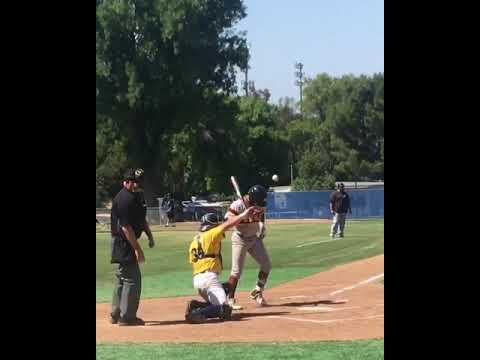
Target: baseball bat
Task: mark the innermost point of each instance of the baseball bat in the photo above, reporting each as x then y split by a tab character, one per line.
237	189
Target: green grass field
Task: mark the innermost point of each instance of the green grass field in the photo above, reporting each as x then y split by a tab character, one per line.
167	273
326	350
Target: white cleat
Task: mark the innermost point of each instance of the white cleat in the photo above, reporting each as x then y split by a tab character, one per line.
234	306
260	300
257	295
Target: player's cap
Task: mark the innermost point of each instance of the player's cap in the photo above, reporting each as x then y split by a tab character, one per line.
341	186
134	175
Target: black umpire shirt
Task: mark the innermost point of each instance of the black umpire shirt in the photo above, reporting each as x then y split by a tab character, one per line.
127	209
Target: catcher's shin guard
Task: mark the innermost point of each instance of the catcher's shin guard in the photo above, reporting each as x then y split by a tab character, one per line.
193	305
195	317
225	312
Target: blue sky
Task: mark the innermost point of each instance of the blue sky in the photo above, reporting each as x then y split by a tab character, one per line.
333	36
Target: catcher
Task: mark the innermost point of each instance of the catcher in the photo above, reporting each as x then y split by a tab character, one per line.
206	259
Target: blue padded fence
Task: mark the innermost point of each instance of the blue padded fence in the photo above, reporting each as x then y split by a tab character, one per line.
367	203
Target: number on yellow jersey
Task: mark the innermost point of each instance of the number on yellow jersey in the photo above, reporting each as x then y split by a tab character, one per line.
196	250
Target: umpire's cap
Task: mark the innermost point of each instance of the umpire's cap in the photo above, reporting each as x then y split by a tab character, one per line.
209	221
134	175
257	195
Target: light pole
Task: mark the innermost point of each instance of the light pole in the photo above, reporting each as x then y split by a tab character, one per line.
291	174
299	82
246	70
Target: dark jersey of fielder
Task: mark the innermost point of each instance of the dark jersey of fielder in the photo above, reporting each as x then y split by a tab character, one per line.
249	227
340	202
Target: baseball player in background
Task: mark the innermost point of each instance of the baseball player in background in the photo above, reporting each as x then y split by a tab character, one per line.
248	237
206	259
339	206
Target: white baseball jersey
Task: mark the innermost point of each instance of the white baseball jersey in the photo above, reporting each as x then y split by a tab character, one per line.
247	227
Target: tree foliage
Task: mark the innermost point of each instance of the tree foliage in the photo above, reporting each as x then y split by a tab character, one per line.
346	136
163	70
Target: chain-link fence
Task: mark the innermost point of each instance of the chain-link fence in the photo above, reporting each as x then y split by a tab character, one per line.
158	216
103	216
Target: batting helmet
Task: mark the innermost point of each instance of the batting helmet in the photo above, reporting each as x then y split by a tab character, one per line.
257	195
209	221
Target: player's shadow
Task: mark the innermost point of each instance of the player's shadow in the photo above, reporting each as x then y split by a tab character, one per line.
235	317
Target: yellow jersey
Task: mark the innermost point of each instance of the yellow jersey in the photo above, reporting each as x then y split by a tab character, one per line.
205	251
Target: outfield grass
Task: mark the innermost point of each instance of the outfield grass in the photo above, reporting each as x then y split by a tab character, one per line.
327	350
167	272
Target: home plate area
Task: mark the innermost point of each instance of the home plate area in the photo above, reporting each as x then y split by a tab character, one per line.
343	303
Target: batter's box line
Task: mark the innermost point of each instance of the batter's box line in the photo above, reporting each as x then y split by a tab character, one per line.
324	321
369	280
329	309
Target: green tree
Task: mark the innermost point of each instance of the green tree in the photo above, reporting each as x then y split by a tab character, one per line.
351	110
160	67
111	159
319	95
260	150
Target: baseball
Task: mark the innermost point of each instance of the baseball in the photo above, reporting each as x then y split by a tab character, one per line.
275	177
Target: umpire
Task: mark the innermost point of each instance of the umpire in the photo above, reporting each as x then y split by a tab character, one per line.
127	224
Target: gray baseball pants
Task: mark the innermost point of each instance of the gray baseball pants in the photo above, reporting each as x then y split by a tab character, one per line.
127	290
338	222
255	247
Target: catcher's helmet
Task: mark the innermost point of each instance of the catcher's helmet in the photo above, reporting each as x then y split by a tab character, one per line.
257	195
209	221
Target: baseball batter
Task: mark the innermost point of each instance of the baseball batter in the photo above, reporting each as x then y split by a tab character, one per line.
206	259
248	237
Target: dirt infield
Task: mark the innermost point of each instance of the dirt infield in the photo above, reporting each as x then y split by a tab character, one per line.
344	303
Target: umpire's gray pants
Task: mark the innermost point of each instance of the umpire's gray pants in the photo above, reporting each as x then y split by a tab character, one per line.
338	222
255	247
127	290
